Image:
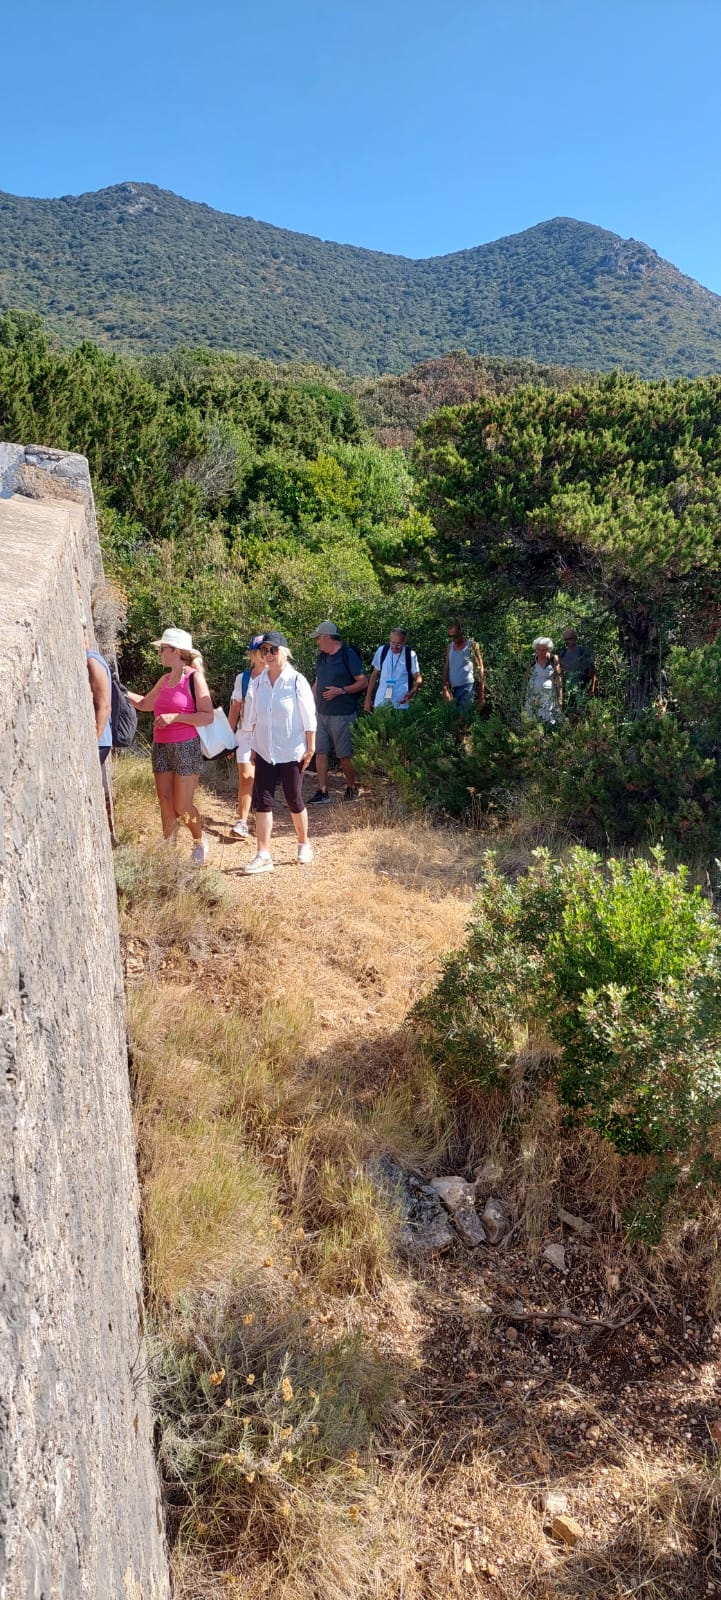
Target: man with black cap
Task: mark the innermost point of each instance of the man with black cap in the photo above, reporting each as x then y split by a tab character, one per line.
339	682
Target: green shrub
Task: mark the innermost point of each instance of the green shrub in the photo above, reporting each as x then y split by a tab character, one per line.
621	969
440	759
635	1002
630	781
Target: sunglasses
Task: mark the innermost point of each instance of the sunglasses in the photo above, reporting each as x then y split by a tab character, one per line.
269	649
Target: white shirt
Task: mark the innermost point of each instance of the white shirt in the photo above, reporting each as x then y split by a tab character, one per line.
278	715
393	675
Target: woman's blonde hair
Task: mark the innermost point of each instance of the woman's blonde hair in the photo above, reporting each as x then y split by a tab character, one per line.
284	655
191	658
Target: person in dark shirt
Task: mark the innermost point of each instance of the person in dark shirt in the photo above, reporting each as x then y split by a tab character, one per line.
339	682
578	670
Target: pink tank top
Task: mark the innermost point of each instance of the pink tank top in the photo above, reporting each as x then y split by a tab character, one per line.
175	697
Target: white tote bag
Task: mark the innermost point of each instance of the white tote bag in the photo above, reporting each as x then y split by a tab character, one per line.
217	736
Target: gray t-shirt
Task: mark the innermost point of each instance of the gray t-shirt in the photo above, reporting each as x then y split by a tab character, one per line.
461	674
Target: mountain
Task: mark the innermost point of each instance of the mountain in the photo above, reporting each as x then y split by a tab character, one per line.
141	269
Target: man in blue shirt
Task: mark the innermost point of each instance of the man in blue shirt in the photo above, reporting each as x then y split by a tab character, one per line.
339	681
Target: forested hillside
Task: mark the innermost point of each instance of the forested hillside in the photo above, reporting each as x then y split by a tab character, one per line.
141	269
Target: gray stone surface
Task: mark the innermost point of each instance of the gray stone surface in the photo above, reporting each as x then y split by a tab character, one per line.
425	1229
495	1221
454	1192
79	1508
469	1227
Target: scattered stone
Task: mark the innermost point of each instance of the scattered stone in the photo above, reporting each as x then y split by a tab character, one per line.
554	1504
454	1193
566	1529
425	1228
511	1335
488	1176
469	1226
715	1432
556	1254
577	1224
495	1221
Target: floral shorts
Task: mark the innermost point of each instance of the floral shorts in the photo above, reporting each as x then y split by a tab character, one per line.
184	757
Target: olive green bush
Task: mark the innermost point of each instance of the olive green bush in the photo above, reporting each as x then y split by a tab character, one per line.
619	966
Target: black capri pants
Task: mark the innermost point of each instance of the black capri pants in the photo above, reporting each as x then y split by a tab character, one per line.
265	783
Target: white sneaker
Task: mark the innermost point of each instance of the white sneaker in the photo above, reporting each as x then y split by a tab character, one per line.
239	828
305	854
261	862
200	852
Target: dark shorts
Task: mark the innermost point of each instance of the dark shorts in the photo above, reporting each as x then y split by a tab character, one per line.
265	782
463	694
335	736
183	757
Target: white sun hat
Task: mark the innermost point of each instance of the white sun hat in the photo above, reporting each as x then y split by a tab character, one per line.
177	638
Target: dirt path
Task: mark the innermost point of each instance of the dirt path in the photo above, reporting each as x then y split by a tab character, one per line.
504	1398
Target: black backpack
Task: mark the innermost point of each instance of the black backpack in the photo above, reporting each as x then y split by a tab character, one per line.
409	670
123	715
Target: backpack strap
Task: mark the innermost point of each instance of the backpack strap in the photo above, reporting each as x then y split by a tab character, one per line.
409	672
346	663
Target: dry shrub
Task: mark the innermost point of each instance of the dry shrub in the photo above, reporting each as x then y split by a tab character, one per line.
358	1546
178	904
267	1451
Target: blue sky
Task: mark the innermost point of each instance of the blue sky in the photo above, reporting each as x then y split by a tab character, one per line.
415	128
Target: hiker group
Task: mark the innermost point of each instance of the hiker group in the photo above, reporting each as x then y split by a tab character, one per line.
278	722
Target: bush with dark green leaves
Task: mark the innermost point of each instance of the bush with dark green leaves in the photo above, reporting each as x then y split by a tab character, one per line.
642	780
440	759
619	965
601	778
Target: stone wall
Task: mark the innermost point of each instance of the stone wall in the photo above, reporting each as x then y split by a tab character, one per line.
79	1507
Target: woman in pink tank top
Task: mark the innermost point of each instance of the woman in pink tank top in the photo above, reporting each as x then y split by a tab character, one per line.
181	703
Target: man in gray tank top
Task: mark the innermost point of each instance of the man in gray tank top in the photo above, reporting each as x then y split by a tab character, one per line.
464	678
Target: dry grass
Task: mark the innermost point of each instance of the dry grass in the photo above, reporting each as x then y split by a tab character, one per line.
207	1208
271	1061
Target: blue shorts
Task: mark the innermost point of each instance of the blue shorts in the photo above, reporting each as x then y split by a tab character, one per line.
463	694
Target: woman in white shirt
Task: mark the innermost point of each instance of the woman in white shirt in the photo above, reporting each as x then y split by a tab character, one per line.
279	718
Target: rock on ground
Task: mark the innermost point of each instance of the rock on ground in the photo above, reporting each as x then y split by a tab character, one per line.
425	1229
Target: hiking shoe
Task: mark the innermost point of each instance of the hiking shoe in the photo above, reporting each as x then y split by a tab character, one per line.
305	854
239	828
320	798
200	852
261	862
352	792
